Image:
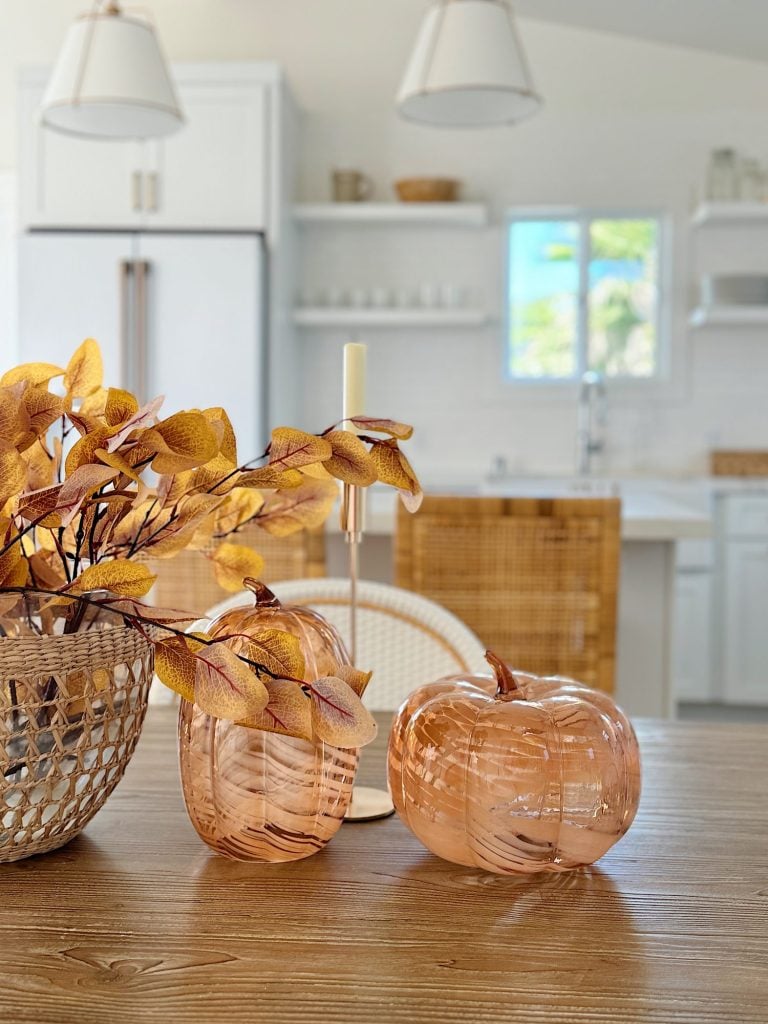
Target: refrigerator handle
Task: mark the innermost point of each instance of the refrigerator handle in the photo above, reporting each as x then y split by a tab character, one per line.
127	363
137	191
141	271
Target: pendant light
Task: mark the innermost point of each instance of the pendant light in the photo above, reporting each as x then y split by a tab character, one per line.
468	68
111	80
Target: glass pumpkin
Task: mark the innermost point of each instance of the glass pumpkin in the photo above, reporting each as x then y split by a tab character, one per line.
260	796
517	774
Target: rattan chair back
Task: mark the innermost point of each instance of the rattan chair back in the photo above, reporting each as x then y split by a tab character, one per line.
535	579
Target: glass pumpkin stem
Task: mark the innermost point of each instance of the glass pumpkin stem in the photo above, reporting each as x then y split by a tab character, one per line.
264	596
507	684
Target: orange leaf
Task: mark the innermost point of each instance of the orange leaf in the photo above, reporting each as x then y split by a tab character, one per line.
127	579
394	469
40	466
402	431
81	485
31	373
85	370
291	449
232	563
39	503
120	406
183	441
351	461
289	711
176	666
304	507
225	687
338	715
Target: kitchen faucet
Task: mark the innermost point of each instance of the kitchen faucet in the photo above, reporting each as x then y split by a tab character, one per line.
591	421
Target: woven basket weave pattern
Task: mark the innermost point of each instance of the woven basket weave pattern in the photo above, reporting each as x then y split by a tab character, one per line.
71	710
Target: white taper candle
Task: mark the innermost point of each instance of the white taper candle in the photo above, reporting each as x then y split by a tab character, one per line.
354	381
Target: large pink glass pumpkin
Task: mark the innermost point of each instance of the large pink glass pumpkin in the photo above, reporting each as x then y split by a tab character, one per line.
256	795
516	774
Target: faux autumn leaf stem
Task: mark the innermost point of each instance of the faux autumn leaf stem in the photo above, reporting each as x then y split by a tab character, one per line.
77	516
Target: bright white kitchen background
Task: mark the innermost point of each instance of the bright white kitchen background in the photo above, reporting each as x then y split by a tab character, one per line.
627	123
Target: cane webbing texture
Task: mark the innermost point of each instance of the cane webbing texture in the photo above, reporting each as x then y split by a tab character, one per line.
535	579
402	638
71	710
187	582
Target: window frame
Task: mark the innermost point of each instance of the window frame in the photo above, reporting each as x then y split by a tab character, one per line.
583	216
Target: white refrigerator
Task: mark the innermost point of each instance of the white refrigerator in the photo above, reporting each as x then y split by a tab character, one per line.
179	314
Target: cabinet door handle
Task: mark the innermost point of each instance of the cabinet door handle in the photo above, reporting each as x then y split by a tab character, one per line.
141	270
137	191
127	364
153	192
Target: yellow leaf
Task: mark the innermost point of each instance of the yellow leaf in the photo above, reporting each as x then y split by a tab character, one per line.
119	407
85	370
84	450
402	431
227	443
316	471
117	462
183	441
178	529
351	461
31	373
276	650
241	505
94	405
43	409
225	687
15	426
13	474
271	478
304	507
291	449
289	711
338	714
394	469
128	579
354	678
232	563
40	466
176	666
12	558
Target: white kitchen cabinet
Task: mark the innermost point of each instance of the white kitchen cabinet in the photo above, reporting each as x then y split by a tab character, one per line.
745	637
214	173
692	636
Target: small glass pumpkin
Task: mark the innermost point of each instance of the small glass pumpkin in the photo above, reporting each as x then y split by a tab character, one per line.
260	796
516	774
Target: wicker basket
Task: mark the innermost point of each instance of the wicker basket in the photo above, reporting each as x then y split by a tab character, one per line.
427	190
71	710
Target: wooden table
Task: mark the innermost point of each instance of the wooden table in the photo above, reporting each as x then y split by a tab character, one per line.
136	921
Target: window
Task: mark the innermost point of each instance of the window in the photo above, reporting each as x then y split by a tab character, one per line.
583	294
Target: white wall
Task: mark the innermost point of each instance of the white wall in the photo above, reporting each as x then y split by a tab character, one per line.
626	123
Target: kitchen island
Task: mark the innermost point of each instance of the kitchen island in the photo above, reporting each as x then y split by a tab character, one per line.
653	521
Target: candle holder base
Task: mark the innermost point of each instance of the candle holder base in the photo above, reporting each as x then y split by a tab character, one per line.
369	804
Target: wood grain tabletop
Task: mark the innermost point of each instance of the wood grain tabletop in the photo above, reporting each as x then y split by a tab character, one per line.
136	921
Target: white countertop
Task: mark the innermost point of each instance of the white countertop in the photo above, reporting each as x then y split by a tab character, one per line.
649	511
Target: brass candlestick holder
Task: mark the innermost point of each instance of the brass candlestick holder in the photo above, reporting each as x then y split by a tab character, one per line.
367	803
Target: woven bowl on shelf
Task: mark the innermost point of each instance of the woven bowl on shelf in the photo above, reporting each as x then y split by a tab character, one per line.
427	190
71	710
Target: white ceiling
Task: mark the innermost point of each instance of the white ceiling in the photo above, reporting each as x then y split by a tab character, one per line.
737	27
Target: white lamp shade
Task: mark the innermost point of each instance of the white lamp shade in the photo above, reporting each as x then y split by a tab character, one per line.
111	81
468	68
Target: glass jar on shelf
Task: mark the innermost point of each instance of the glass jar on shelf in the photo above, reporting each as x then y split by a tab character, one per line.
723	176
